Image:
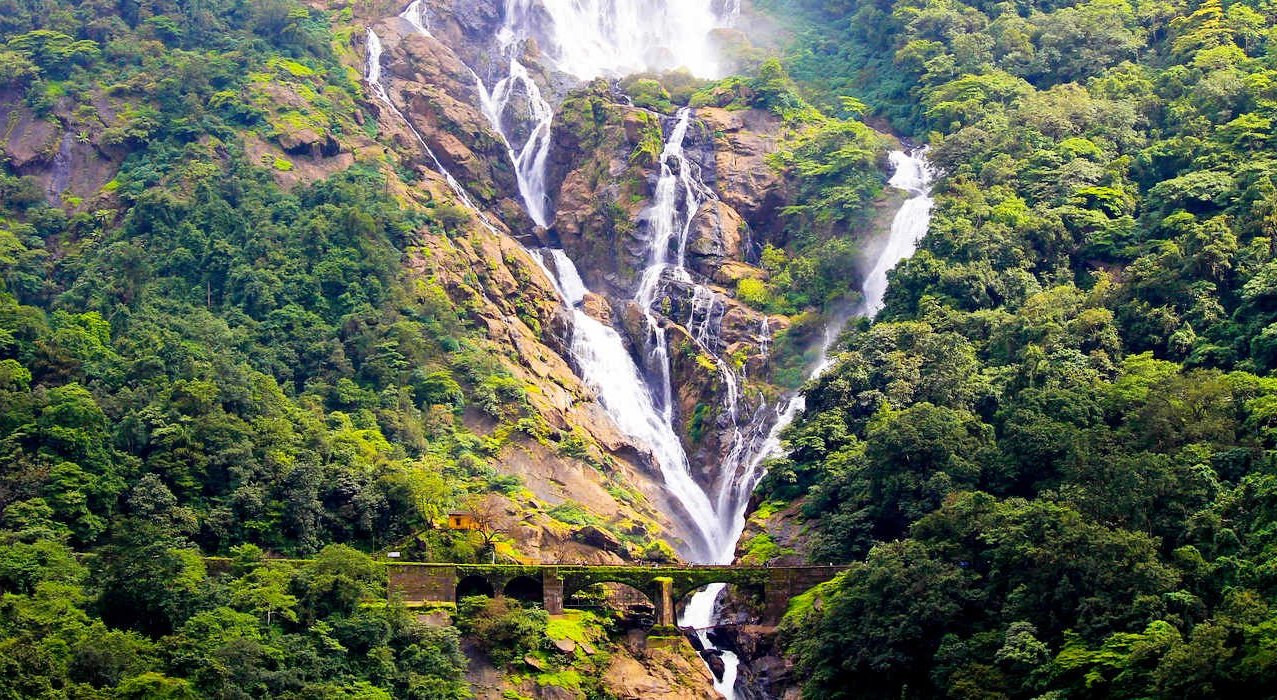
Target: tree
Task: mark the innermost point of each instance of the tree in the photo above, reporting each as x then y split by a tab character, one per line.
265	591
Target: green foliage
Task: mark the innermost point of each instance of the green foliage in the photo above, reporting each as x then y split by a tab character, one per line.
504	629
649	94
289	637
1072	378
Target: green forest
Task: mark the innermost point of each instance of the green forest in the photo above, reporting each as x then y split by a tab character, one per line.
1050	464
209	364
1054	458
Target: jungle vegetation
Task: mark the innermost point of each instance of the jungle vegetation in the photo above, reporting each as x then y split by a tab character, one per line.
1053	460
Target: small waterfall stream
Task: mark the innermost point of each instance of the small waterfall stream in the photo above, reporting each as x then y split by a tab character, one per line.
373	78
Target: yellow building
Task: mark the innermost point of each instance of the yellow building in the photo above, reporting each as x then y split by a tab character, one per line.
462	520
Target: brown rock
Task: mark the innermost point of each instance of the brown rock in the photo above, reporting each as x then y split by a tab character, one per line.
554	692
599	538
716	237
745	180
300	141
27	139
661	675
733	271
565	646
597	308
437	618
436	92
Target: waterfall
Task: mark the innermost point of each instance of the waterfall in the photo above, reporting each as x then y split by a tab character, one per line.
606	366
913	174
528	157
415	14
674	203
586	39
592	38
597	351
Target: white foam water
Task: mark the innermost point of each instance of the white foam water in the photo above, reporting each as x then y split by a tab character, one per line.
594	38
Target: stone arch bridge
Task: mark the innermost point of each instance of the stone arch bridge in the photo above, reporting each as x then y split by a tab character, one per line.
664	585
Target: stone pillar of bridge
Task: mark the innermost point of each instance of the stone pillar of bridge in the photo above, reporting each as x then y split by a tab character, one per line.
552	591
776	596
665	602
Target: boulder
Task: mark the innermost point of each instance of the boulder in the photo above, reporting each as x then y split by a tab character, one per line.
718	235
597	308
733	271
599	538
744	179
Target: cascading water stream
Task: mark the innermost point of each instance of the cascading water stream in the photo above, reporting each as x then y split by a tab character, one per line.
913	174
529	158
597	350
607	367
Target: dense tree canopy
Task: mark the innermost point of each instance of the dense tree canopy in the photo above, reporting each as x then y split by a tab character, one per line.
1053	426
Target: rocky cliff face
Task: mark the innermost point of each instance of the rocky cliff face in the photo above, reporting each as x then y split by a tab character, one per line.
635	668
604	168
436	92
489	272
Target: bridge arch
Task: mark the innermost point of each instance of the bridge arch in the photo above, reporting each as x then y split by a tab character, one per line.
475	585
525	589
664	586
632	604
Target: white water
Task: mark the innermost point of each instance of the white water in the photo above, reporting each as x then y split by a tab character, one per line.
597	350
594	38
607	367
913	174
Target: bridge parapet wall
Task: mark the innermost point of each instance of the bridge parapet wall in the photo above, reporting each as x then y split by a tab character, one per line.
423	584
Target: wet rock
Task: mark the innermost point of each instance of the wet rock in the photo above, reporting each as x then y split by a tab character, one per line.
714	659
